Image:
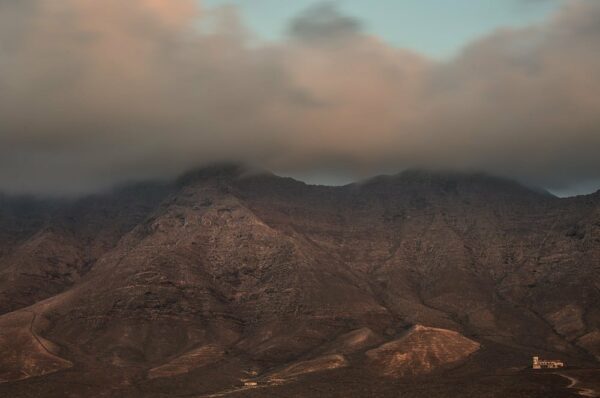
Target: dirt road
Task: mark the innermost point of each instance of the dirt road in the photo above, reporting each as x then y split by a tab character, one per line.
584	392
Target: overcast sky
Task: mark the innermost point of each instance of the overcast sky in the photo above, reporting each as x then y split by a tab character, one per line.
94	93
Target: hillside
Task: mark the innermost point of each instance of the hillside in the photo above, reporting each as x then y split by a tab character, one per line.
188	288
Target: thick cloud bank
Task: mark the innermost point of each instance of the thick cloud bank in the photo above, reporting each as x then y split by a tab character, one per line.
95	92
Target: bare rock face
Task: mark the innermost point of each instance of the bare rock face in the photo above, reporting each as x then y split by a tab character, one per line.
47	246
224	273
421	350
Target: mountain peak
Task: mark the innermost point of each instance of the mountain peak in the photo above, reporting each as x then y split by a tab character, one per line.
225	171
452	182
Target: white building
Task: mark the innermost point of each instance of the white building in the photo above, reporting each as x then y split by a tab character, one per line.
547	363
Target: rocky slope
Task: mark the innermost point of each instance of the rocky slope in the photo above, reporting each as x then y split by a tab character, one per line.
421	350
222	276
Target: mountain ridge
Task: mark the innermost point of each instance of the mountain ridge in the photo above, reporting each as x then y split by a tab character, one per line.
249	272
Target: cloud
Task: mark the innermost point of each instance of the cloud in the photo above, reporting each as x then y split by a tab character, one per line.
93	93
324	22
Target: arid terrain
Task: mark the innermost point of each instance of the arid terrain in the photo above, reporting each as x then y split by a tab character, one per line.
234	283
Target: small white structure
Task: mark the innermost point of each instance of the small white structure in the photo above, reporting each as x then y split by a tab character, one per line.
547	363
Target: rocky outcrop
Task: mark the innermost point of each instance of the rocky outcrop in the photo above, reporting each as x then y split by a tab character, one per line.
421	350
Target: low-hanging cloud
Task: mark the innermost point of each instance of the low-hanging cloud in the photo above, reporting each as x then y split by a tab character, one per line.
97	92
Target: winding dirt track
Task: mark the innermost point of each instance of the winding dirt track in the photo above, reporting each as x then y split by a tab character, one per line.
232	391
584	392
39	341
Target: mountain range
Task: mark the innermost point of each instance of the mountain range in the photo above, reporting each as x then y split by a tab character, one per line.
233	282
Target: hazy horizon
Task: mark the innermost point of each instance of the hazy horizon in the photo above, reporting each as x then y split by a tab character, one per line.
95	94
322	179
